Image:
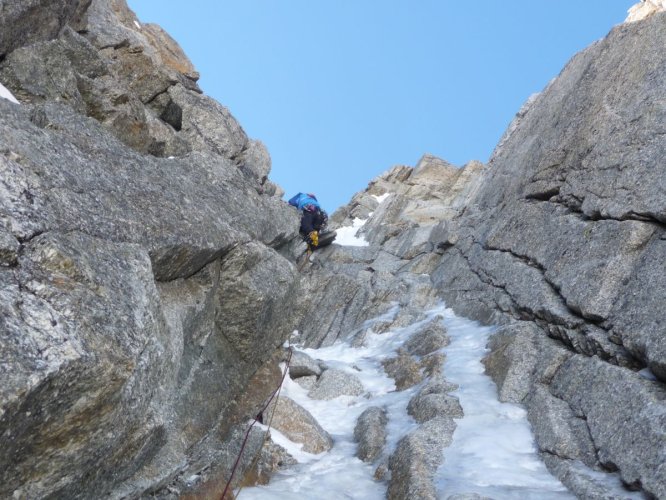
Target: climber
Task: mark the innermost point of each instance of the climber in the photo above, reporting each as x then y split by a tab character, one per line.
313	221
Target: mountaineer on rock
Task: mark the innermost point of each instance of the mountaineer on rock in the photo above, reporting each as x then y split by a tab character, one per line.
313	221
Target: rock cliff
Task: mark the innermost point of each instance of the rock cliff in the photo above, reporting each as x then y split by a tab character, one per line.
565	240
148	277
140	279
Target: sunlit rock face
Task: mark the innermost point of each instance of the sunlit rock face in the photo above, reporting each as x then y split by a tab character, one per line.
566	231
645	8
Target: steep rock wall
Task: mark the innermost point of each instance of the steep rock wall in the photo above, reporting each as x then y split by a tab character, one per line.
141	288
566	233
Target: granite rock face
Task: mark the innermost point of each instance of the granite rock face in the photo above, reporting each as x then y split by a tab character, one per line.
143	298
564	242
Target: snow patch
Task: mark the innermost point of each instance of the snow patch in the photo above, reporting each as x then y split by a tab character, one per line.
493	452
643	9
6	94
647	374
381	197
136	23
347	235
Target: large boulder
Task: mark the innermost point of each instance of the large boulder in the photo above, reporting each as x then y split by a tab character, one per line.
404	369
370	433
298	425
302	365
333	383
424	407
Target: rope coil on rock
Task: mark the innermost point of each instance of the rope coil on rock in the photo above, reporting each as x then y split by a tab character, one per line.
275	394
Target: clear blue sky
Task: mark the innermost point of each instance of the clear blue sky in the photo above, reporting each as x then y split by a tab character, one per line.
342	90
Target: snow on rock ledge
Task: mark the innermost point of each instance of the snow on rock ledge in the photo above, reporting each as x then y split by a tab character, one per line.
645	8
6	94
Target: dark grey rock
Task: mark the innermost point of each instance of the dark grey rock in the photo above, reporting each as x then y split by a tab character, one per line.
585	482
302	365
26	73
370	433
333	383
336	301
431	338
207	125
256	160
28	21
561	432
61	366
9	247
134	288
638	317
513	352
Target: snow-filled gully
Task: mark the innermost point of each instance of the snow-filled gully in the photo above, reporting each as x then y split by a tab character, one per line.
493	452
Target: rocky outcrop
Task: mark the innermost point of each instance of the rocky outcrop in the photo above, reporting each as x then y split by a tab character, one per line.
333	383
416	459
128	305
370	433
644	9
299	425
97	57
566	232
143	298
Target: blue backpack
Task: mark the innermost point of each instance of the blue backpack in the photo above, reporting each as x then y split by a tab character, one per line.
303	200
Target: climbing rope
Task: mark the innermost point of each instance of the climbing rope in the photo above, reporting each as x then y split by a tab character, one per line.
276	394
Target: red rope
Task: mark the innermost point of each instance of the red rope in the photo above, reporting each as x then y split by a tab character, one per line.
256	419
